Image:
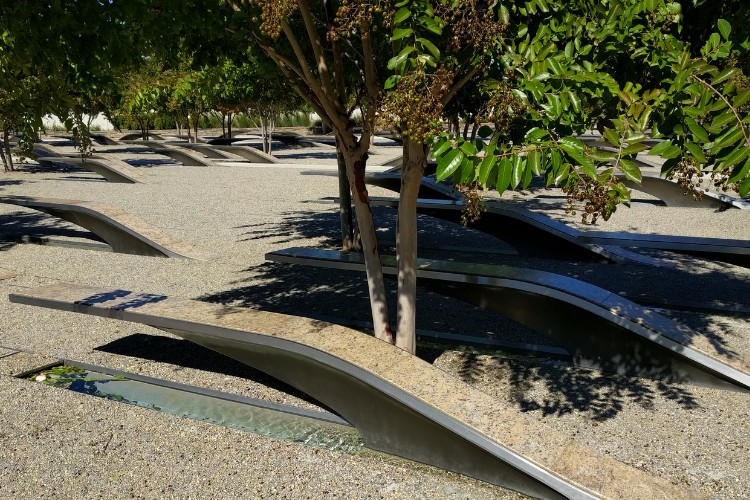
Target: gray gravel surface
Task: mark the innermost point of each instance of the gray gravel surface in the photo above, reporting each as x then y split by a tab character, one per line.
57	443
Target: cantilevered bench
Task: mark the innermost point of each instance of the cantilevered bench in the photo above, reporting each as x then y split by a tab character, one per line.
726	250
669	191
598	328
49	150
248	153
206	150
112	169
401	404
187	157
674	195
530	233
123	231
136	136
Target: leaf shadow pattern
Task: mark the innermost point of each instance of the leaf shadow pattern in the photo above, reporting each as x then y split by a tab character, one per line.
555	388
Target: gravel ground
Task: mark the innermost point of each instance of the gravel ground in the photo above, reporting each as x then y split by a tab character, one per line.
59	443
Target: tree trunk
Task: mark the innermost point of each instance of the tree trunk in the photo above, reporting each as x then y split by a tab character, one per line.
177	124
264	133
230	117
355	170
5	152
466	128
415	161
454	127
345	204
474	129
271	128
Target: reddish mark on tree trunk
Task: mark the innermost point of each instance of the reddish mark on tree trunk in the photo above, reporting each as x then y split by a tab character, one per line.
359	181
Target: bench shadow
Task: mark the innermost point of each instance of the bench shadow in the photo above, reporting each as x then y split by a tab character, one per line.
17	226
187	354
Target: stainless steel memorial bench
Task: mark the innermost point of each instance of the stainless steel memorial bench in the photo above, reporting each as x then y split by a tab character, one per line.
112	169
530	233
204	149
123	231
598	328
250	154
532	228
401	404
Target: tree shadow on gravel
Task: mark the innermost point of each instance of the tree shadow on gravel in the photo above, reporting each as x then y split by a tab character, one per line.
9	182
326	293
555	388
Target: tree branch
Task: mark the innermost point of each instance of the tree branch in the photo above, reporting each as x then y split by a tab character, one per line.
312	33
294	74
371	83
729	105
326	101
459	84
338	58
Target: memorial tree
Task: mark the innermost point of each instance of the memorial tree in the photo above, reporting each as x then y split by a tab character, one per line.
347	56
69	57
252	84
60	60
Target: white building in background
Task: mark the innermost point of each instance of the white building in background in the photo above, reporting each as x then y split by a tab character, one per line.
99	123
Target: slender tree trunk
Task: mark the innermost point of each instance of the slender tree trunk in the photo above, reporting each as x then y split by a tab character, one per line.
5	152
264	133
271	128
474	129
5	162
345	204
415	161
355	170
466	128
230	117
454	126
177	124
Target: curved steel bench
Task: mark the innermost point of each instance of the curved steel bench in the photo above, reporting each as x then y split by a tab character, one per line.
249	153
206	150
668	191
123	231
528	242
598	328
674	195
112	169
187	157
401	404
136	136
530	233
